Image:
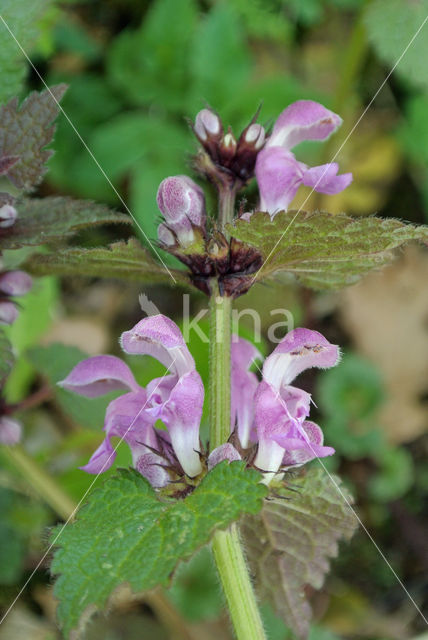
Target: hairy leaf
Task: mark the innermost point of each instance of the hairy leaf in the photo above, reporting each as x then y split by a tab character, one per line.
25	131
21	17
290	542
322	250
124	260
41	221
126	534
6	357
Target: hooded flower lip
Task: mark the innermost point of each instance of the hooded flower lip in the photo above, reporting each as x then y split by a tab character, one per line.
176	399
303	120
279	174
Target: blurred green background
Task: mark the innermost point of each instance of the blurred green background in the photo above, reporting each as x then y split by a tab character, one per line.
137	70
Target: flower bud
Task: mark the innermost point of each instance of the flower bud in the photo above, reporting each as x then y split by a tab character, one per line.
255	136
165	235
182	204
15	283
8	215
10	431
207	124
224	452
8	312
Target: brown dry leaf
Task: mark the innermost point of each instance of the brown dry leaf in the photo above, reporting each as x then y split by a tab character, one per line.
387	317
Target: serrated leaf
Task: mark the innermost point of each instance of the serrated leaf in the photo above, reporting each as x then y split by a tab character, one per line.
21	17
123	260
324	251
6	357
290	542
55	362
44	220
126	534
25	131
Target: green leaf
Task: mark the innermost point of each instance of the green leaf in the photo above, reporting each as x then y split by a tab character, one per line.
324	251
36	313
150	65
391	26
218	41
126	534
55	363
25	131
21	17
6	357
44	220
290	542
123	260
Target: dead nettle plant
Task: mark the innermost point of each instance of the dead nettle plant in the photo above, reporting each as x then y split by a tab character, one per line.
237	492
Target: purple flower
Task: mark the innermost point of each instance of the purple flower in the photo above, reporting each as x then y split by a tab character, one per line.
8	215
12	283
224	452
10	431
279	174
244	385
182	203
277	412
176	399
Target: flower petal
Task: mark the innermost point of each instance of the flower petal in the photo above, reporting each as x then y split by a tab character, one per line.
99	375
8	312
303	120
159	337
181	413
224	452
126	418
244	385
324	179
308	448
15	283
150	466
10	431
299	350
279	175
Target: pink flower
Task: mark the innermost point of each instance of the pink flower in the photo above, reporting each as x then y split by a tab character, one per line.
176	399
279	174
278	410
182	204
12	283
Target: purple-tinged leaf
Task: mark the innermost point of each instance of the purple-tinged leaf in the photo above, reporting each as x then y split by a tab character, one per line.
324	251
290	543
42	221
121	260
25	131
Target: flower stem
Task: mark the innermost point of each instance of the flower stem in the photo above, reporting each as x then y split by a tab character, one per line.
226	545
41	482
220	333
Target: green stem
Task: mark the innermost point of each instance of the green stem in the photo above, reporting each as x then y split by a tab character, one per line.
233	572
41	482
227	549
220	332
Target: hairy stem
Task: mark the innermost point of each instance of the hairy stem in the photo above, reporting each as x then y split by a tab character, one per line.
220	332
227	549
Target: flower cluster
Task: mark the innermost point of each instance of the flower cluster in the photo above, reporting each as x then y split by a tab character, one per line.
12	283
269	423
198	241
